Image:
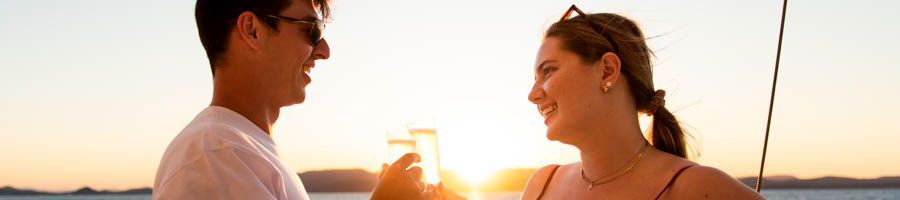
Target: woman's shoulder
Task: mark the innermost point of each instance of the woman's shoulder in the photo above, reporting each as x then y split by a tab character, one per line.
537	181
698	181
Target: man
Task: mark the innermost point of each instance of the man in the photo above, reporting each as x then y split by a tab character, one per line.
260	53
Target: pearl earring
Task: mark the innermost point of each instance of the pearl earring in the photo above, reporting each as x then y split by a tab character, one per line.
606	87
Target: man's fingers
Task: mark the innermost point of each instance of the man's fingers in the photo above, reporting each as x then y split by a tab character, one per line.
405	161
415	173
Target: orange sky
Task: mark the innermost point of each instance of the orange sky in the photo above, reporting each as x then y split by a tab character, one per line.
94	100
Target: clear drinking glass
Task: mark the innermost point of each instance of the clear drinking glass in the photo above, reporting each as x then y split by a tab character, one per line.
399	142
425	134
419	137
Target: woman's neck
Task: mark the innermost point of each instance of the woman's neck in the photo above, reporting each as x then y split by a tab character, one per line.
607	153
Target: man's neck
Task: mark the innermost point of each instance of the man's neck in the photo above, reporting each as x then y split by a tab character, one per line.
261	116
251	105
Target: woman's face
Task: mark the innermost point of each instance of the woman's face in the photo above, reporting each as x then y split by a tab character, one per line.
567	92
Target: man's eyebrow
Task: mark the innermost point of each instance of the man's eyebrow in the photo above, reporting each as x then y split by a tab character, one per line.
311	18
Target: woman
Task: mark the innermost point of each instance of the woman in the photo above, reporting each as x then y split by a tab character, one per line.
592	77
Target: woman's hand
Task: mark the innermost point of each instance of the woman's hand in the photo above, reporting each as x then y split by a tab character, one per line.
444	193
398	182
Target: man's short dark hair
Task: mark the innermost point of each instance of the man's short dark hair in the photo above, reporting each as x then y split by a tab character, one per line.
216	18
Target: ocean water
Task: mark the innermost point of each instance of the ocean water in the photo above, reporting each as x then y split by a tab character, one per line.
833	194
774	194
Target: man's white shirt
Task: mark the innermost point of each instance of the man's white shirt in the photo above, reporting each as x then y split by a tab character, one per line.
222	155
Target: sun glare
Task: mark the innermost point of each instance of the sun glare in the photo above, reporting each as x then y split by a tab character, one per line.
476	176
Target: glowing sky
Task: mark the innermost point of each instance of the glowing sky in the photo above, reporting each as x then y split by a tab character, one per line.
94	90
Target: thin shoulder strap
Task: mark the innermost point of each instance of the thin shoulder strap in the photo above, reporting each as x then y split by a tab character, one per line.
672	181
547	183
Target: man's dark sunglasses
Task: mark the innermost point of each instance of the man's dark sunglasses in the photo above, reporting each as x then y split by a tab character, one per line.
590	23
315	33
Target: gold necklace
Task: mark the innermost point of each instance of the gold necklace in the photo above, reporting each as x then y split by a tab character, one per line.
619	173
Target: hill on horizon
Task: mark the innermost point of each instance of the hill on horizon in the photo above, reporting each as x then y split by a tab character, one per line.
506	180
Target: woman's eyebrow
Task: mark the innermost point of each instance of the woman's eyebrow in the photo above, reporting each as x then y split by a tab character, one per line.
541	66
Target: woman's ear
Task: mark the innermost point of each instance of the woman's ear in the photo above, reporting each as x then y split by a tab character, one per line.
610	67
248	29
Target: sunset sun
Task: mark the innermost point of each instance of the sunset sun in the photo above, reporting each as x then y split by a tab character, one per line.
475	176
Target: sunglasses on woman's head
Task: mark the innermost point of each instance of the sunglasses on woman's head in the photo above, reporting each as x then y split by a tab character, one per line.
590	23
315	33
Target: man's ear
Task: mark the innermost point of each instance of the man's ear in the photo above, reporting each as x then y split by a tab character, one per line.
610	68
248	28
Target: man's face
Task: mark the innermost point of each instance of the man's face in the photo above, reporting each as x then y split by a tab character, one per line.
288	55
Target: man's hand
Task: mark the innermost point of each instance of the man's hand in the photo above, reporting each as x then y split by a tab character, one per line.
398	182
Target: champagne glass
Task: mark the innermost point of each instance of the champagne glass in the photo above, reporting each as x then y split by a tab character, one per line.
419	137
399	142
425	135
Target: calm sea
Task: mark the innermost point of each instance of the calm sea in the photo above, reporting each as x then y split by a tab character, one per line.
805	194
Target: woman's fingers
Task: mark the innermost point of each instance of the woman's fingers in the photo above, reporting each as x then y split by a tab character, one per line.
384	167
431	193
447	193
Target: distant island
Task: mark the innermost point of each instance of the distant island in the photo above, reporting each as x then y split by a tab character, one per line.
507	180
83	191
829	182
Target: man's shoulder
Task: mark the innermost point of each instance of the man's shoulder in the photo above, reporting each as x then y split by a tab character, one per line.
201	137
209	134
